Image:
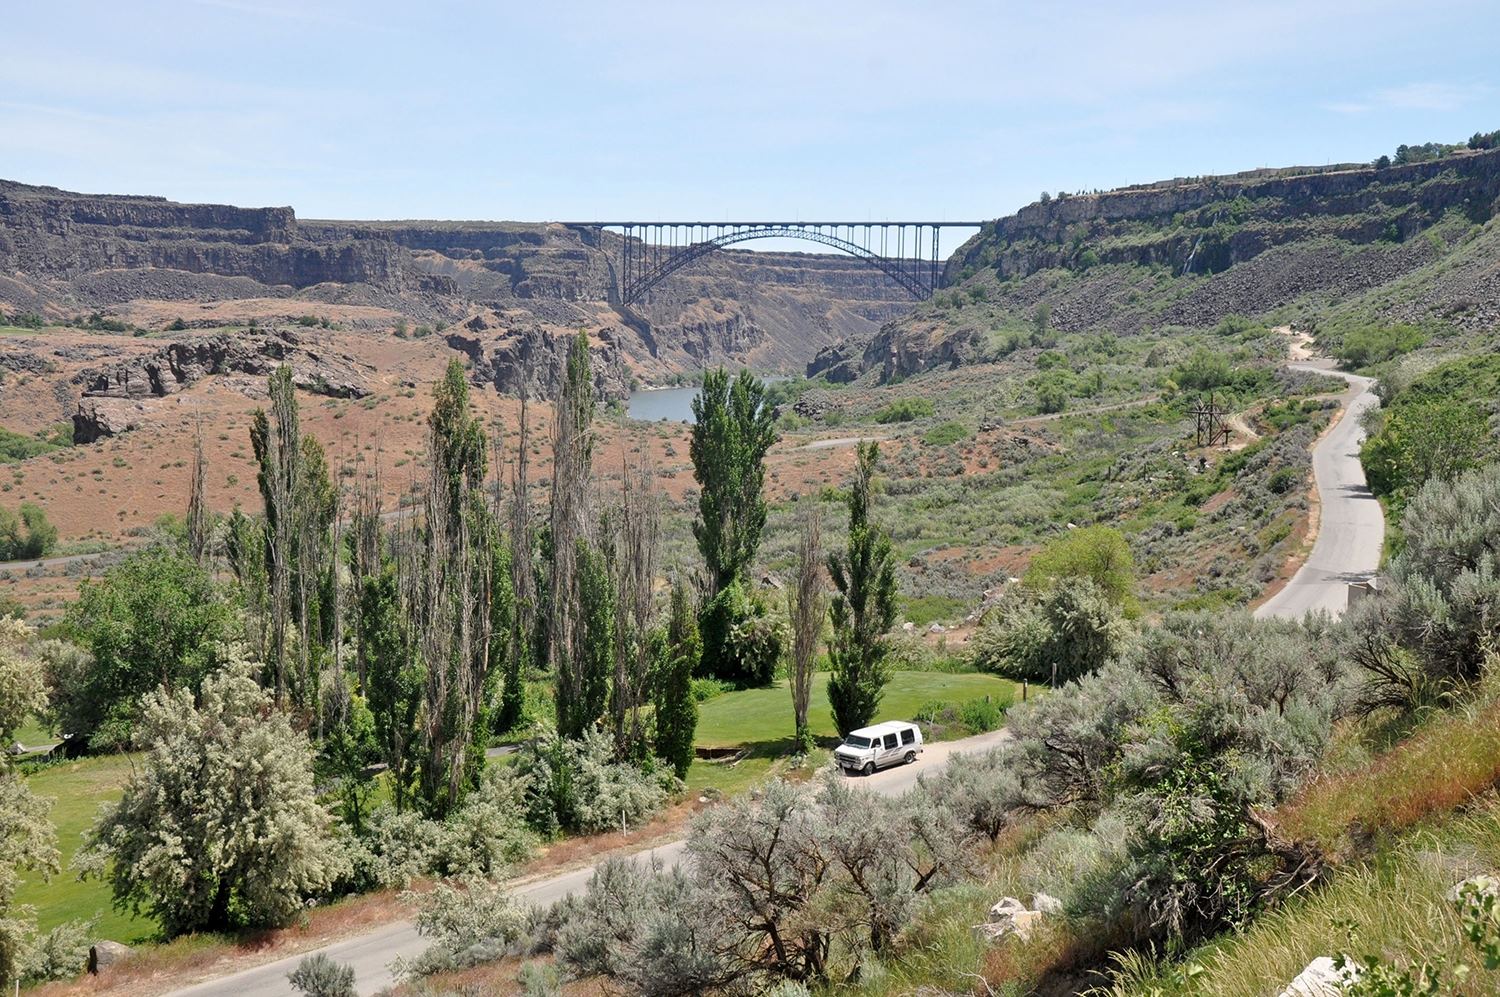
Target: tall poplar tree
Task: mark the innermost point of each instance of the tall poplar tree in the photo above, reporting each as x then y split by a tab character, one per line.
733	428
864	607
676	712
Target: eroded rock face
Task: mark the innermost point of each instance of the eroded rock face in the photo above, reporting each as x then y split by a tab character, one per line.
120	398
99	418
531	360
315	368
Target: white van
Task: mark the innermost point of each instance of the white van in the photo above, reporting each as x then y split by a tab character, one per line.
870	748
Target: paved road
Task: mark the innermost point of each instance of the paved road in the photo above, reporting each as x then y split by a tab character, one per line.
371	954
1351	529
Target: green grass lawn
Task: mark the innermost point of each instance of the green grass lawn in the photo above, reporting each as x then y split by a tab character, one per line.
77	789
762	718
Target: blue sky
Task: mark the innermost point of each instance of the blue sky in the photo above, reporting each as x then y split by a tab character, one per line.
577	110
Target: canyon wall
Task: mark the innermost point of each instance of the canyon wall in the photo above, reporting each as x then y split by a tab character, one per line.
506	289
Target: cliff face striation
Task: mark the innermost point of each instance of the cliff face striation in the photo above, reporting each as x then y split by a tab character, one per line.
514	289
1403	243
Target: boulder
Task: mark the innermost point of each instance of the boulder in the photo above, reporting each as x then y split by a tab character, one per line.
1006	908
1022	924
1009	917
1321	978
104	954
97	418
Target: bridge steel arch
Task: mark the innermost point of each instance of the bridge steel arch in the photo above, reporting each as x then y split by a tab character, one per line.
907	253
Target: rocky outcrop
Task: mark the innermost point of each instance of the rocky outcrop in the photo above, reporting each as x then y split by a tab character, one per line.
96	419
531	360
314	368
120	398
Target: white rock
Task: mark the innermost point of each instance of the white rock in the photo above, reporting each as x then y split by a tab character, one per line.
1046	903
1005	909
1483	884
937	628
1022	925
1321	978
908	627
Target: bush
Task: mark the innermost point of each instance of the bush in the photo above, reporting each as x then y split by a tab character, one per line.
469	925
705	689
980	715
742	638
1424	442
1052	390
638	927
319	976
946	434
204	840
904	410
28	536
1203	371
62	953
577	785
1067	632
1369	346
1438	619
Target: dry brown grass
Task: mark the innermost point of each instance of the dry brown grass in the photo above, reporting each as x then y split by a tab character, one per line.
1450	760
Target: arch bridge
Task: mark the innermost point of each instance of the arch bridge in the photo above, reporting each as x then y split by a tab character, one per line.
908	253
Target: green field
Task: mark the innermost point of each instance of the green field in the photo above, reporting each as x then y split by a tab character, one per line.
762	718
77	789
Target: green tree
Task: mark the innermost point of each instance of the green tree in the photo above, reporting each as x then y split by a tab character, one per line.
583	697
733	428
395	680
864	606
202	838
28	536
1425	441
447	591
1099	553
155	619
676	712
508	644
276	440
346	751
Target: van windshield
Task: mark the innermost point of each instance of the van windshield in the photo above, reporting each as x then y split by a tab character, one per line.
855	741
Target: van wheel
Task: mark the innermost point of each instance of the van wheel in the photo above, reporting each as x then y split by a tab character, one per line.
911	756
869	769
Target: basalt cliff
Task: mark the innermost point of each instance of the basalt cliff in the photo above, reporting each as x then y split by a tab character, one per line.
506	294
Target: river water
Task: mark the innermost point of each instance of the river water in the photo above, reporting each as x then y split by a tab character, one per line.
674	404
655	404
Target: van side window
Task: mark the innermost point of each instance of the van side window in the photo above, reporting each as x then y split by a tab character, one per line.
890	741
908	736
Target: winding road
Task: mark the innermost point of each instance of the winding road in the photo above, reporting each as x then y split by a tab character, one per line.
1351	527
371	954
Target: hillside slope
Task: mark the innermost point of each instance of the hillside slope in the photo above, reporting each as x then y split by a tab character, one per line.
1398	244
